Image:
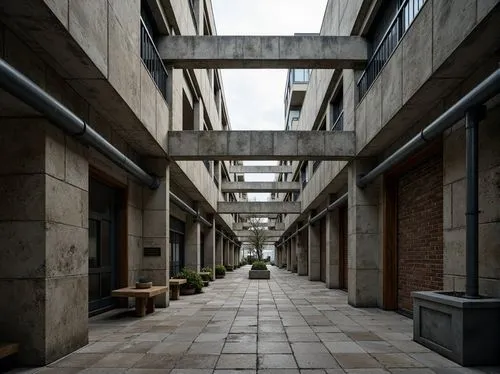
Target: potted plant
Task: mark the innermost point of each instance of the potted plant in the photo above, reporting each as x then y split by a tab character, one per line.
228	267
143	283
259	271
206	275
193	284
220	271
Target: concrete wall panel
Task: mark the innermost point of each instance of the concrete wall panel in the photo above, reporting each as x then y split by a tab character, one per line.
128	13
88	25
392	85
60	8
148	101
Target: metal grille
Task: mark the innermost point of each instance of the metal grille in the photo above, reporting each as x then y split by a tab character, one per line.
152	60
401	22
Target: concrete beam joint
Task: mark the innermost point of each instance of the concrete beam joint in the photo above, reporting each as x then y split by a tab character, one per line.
260	169
259	207
275	52
260	186
261	145
265	233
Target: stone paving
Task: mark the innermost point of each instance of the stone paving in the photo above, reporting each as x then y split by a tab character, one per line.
285	325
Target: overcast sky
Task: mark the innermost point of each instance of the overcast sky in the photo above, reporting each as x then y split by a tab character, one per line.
255	98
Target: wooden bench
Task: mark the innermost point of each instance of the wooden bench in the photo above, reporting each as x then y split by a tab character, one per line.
8	349
175	287
144	297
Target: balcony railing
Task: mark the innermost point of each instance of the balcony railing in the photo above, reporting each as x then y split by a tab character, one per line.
338	125
152	60
407	12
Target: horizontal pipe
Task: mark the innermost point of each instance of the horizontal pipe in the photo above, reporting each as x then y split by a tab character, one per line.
228	238
27	91
341	200
478	95
185	207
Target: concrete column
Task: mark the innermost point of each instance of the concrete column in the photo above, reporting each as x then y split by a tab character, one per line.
302	251
44	243
192	244
156	229
293	255
332	250
219	250
231	254
288	256
363	238
210	245
314	255
226	252
199	13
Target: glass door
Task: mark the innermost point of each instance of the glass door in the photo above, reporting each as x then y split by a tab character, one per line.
102	246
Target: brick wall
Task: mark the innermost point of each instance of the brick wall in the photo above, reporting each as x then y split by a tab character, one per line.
420	230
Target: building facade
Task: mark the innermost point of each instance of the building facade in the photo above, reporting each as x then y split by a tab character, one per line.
73	225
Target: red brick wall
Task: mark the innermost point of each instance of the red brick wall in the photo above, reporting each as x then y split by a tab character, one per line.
420	230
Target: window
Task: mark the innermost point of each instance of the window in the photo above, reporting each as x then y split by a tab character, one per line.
392	21
293	118
303	174
337	113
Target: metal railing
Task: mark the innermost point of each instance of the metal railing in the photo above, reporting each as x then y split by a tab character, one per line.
152	60
407	12
338	125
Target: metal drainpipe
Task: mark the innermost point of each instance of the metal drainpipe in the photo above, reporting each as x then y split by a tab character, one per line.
472	118
185	207
18	85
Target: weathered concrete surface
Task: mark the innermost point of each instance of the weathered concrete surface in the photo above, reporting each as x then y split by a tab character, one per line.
275	52
259	207
260	186
247	225
261	145
266	233
261	169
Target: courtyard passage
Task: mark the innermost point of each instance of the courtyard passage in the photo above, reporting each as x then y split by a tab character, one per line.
285	325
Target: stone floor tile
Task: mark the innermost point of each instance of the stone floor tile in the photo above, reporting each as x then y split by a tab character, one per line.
276	361
432	360
47	370
191	371
408	346
118	360
279	371
316	361
333	337
237	361
265	347
311	347
412	371
207	348
396	360
210	337
303	337
356	360
78	360
316	371
363	336
197	362
148	371
102	371
170	348
272	337
241	338
101	347
137	347
224	371
343	347
367	371
156	361
378	347
151	336
244	347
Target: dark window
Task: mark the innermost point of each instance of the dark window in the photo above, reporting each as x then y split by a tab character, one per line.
337	113
303	174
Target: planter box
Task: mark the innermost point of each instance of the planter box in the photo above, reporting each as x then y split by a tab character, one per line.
463	330
219	276
259	274
187	291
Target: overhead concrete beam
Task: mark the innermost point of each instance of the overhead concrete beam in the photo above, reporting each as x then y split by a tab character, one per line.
261	145
260	186
261	169
258	207
247	225
265	233
264	52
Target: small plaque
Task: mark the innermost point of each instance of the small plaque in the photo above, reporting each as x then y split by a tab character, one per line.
152	252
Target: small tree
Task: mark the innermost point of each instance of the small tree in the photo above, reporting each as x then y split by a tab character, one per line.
257	238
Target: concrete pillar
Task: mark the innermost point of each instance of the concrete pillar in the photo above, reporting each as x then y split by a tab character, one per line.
302	251
156	229
219	250
288	256
293	256
314	251
210	245
363	238
231	254
332	250
199	14
192	244
43	241
226	252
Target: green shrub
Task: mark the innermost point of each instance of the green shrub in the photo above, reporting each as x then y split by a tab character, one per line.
220	270
259	265
208	269
193	279
229	267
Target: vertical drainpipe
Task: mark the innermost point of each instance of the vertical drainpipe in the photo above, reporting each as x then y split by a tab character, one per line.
472	118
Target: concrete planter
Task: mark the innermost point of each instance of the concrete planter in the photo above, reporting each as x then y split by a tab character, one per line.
259	274
463	330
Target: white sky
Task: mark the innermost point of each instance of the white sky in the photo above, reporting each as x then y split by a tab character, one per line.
255	97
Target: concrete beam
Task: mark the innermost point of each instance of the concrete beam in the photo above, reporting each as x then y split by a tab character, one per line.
261	145
266	233
260	169
260	186
264	52
258	207
247	225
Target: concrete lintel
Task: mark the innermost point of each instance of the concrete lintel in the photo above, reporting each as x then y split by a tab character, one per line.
263	52
259	207
261	169
247	225
261	145
266	233
260	186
